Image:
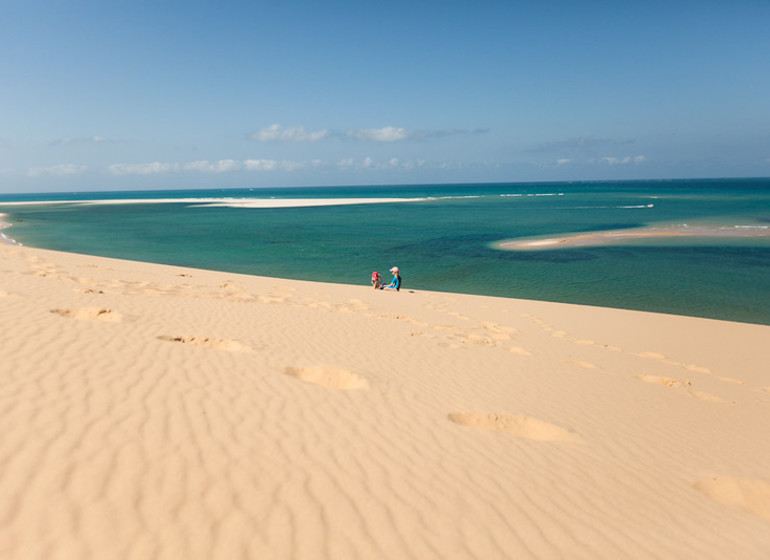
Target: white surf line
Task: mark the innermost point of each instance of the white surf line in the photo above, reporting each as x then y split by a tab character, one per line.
226	202
302	202
5	225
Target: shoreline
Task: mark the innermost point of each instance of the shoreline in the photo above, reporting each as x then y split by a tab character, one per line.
155	409
4	239
456	241
545	244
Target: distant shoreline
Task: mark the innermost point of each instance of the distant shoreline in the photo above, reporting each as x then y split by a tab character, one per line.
225	202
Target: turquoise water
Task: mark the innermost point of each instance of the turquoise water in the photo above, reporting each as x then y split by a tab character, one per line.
447	243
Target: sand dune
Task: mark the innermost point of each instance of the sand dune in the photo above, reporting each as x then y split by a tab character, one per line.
150	411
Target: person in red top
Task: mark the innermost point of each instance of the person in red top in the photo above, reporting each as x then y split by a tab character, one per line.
376	280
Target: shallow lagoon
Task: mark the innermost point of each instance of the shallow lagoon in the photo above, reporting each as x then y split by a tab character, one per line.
444	238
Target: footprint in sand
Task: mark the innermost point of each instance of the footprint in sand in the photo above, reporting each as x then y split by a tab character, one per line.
519	426
651	355
749	494
660	380
216	343
90	314
708	397
498	332
474	339
585	342
697	369
329	377
586	365
357	305
90	291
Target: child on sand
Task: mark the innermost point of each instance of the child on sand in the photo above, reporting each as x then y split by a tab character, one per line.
376	280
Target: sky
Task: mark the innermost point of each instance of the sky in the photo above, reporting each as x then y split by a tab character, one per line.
162	94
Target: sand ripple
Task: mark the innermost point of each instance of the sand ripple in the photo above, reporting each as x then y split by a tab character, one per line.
162	413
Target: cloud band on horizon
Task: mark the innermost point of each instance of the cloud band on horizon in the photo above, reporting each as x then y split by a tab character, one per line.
276	133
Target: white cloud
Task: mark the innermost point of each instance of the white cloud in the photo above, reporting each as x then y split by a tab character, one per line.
221	166
288	165
396	134
623	161
250	165
371	163
143	168
66	140
563	161
275	133
271	165
57	170
386	134
205	166
260	164
413	164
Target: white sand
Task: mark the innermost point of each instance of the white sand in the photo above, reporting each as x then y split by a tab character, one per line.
150	411
595	238
225	202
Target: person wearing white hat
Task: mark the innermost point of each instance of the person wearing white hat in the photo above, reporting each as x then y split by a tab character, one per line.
395	284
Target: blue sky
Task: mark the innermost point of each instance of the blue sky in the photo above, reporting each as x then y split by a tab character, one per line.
164	94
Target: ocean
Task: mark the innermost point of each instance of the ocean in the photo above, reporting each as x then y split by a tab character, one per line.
443	238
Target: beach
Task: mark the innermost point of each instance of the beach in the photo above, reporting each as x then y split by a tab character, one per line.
154	411
692	248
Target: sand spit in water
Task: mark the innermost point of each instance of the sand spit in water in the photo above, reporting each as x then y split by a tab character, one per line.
625	235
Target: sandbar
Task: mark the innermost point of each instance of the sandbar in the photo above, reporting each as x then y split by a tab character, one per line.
225	202
597	238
